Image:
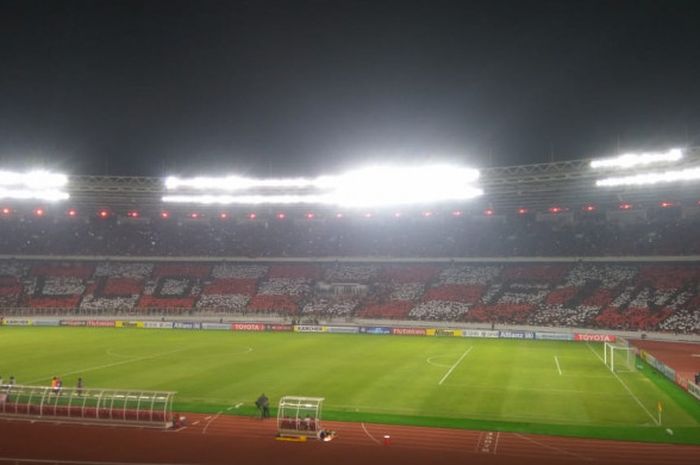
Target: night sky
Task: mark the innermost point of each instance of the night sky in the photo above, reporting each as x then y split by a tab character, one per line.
290	88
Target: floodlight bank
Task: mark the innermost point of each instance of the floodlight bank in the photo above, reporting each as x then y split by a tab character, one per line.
629	160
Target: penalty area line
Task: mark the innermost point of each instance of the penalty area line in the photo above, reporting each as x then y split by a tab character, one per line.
449	372
556	360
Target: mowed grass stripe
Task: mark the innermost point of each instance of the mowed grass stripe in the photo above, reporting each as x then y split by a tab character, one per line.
499	384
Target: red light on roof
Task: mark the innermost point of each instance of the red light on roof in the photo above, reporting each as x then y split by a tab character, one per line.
338	215
165	215
281	216
555	210
522	211
39	212
223	215
589	208
488	212
427	214
132	214
72	212
194	215
456	213
625	206
310	216
368	215
103	213
666	204
252	216
397	215
6	211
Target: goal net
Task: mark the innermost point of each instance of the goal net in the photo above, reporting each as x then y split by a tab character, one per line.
619	358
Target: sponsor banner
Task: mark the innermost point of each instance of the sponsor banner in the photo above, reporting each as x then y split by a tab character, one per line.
73	323
375	330
17	322
443	332
516	334
101	323
590	337
342	329
47	322
187	325
309	329
479	333
554	336
128	324
216	326
158	324
408	331
248	326
279	328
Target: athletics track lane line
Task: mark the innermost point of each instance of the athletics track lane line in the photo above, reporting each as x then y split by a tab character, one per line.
653	418
455	365
369	435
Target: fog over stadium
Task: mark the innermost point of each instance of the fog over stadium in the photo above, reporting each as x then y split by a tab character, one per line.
275	89
349	231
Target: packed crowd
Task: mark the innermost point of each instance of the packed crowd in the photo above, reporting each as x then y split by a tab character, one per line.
633	296
380	236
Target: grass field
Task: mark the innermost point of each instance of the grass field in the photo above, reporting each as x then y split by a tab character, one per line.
535	386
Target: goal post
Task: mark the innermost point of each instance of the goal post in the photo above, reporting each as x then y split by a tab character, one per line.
619	358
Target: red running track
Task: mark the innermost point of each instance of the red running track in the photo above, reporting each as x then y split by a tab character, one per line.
221	439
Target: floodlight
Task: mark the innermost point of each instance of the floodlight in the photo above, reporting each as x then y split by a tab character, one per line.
281	216
165	214
625	206
39	212
522	211
456	213
629	160
6	211
374	186
589	208
689	174
488	212
103	213
665	204
72	212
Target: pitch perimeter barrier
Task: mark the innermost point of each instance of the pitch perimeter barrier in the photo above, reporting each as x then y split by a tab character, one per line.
592	337
339	329
481	333
694	390
545	336
47	322
516	335
380	330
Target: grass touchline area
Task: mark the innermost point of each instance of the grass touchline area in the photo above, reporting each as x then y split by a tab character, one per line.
549	387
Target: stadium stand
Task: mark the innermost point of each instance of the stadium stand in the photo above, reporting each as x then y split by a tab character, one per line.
437	236
631	296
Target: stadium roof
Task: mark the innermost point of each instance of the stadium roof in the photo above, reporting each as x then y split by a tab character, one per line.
569	184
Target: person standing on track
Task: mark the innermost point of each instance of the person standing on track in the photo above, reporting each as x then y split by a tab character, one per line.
263	404
79	387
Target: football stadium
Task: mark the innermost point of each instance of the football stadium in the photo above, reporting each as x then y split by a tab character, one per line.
545	313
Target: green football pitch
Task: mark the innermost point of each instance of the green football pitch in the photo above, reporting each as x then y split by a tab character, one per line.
547	387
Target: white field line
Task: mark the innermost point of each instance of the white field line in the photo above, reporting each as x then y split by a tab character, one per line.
369	435
108	365
77	462
449	372
440	365
653	418
556	360
204	431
